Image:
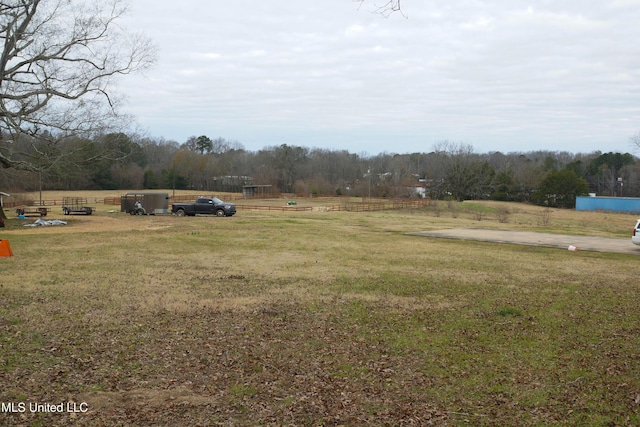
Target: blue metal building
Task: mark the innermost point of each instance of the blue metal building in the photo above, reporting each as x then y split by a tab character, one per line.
612	204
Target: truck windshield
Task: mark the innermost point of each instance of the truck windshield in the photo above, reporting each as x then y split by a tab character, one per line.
217	201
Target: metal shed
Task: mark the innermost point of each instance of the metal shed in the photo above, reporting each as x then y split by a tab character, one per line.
256	191
613	204
154	203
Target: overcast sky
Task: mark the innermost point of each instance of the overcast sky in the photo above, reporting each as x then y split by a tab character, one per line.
501	75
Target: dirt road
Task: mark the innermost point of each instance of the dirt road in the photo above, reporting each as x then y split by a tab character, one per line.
562	241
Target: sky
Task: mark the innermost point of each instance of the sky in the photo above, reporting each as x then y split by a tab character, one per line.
500	75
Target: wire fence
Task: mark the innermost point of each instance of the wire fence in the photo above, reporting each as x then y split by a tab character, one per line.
366	205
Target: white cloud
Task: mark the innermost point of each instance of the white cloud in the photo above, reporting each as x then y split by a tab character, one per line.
354	30
481	23
559	20
209	55
500	75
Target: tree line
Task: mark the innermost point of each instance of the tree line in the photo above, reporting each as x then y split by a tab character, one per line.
118	161
60	129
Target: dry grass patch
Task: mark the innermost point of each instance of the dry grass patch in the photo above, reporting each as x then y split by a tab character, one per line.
316	318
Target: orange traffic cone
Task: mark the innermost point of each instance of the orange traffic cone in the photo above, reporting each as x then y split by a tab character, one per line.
5	249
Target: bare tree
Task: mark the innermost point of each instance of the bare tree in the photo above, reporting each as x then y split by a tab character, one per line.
635	140
384	7
57	62
465	175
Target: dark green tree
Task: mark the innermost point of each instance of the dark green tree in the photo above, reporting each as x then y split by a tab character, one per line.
560	188
615	162
604	171
505	188
201	145
172	179
150	181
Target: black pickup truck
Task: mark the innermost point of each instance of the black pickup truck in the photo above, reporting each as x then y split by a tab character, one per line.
204	206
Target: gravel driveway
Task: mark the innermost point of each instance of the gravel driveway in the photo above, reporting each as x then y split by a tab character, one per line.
562	241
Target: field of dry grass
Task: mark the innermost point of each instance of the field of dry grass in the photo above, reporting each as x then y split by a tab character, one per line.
318	318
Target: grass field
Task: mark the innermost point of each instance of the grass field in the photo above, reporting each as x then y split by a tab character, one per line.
316	319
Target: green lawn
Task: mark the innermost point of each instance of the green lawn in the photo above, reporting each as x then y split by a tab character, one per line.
319	318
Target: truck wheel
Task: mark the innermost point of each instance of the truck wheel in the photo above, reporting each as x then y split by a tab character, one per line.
219	212
180	212
66	211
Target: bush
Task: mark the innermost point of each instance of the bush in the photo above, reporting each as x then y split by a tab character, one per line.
559	189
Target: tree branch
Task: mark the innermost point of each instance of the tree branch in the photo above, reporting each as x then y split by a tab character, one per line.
386	9
56	63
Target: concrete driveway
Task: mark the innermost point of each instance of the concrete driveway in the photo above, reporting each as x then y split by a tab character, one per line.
562	241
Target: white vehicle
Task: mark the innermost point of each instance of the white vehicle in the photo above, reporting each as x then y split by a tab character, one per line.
635	238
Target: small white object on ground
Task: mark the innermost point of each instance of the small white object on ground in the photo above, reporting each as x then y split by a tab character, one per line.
43	222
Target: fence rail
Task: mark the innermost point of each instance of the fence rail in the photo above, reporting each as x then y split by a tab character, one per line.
364	206
348	207
273	208
383	206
